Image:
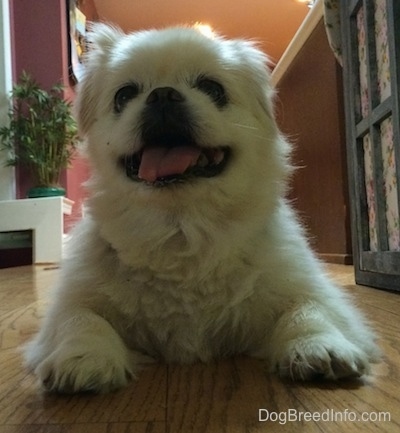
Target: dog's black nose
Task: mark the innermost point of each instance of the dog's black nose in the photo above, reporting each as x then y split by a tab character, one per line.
166	120
164	95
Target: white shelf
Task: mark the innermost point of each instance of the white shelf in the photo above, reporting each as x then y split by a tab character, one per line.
44	216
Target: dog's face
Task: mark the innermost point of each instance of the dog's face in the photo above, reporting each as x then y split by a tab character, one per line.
174	113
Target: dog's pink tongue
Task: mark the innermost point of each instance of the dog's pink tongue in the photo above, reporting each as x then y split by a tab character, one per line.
161	161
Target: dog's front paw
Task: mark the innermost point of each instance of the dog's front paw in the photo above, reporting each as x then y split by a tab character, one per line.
81	369
327	356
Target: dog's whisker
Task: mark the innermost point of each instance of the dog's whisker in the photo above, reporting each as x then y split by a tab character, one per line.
250	129
245	126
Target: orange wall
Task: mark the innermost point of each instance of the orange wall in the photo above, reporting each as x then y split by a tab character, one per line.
271	22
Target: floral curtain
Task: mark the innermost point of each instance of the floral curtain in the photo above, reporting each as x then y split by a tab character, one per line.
386	141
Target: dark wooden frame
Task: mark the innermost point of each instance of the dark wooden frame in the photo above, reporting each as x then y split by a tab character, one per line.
376	268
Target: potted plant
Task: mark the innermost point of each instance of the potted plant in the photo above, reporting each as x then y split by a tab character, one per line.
41	134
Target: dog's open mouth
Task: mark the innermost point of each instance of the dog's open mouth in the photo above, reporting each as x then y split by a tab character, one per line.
160	165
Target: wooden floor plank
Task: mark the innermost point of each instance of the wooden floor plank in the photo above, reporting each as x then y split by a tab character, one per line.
137	427
220	397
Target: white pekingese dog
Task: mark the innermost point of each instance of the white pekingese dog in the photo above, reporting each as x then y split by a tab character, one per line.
189	251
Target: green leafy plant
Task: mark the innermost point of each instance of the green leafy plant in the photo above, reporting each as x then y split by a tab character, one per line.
41	133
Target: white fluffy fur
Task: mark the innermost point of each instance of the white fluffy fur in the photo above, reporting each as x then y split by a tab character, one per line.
196	271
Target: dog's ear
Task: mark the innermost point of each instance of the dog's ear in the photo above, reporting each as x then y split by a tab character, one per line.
261	68
255	69
101	40
102	37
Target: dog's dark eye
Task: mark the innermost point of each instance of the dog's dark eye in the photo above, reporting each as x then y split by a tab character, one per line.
214	90
124	95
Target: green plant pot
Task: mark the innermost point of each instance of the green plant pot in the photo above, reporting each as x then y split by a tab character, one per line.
45	191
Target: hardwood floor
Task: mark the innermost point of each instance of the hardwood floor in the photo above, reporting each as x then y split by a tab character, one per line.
221	397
